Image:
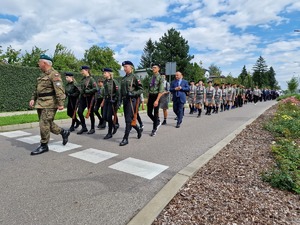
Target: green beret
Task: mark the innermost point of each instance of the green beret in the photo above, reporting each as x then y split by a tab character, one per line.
43	56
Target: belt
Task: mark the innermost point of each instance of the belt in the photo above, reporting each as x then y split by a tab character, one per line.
46	94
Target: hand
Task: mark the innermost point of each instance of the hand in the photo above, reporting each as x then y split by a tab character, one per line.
155	104
31	103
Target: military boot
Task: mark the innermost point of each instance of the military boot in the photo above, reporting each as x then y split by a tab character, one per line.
65	135
124	142
83	129
41	149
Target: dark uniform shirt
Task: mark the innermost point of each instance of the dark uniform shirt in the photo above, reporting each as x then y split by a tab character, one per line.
156	84
111	89
130	83
72	90
88	86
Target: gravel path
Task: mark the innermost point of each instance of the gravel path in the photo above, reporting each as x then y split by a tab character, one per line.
229	189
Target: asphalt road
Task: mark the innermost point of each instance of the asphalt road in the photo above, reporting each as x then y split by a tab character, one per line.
95	181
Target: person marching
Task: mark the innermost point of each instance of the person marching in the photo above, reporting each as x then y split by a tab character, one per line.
164	99
47	98
200	95
131	89
229	96
178	88
72	92
110	102
88	88
156	89
99	99
223	97
209	97
192	97
218	96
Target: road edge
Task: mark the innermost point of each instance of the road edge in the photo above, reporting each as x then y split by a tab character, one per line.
153	208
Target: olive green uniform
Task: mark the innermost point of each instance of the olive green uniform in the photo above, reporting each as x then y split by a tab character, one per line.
131	89
48	95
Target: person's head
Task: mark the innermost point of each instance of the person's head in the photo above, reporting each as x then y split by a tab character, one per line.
128	67
200	82
192	83
178	75
155	68
107	73
45	62
163	77
209	83
69	77
100	82
85	71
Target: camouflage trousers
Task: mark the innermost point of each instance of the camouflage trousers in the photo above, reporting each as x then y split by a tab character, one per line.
47	125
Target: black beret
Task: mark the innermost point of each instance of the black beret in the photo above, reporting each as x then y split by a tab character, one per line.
192	81
46	57
69	74
209	81
107	70
85	67
155	64
127	63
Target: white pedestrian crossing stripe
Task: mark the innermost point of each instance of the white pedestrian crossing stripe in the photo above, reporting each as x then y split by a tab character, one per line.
139	168
14	134
59	147
93	155
32	139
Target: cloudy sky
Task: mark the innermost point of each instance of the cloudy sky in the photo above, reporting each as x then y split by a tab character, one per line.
227	33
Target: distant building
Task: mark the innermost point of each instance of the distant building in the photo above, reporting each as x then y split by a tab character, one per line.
141	73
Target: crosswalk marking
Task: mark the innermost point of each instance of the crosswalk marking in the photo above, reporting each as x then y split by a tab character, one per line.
14	134
139	168
93	155
32	139
58	147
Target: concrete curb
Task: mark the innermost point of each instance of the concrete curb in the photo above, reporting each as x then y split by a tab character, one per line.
149	213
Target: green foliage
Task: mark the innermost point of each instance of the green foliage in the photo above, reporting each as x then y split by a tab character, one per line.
16	86
286	127
31	59
243	75
100	57
260	72
11	56
64	59
292	85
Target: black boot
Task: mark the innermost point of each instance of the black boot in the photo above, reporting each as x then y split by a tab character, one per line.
217	109
124	142
77	123
41	149
71	128
65	134
108	136
199	112
139	132
91	131
115	128
83	129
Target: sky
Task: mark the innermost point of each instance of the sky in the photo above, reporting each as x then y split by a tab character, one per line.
226	33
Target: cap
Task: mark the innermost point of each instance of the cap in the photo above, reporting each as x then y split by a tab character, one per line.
155	64
46	57
85	67
127	63
69	74
107	70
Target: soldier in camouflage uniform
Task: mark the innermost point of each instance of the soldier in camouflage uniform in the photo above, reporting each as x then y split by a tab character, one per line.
48	96
110	102
88	88
72	93
131	89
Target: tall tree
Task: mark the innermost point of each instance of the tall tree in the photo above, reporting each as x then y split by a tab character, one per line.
243	75
31	59
214	70
172	47
100	57
64	59
260	69
271	78
147	57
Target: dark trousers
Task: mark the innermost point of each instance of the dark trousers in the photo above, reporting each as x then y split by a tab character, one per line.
108	111
85	102
129	109
255	98
71	107
152	111
178	109
96	110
